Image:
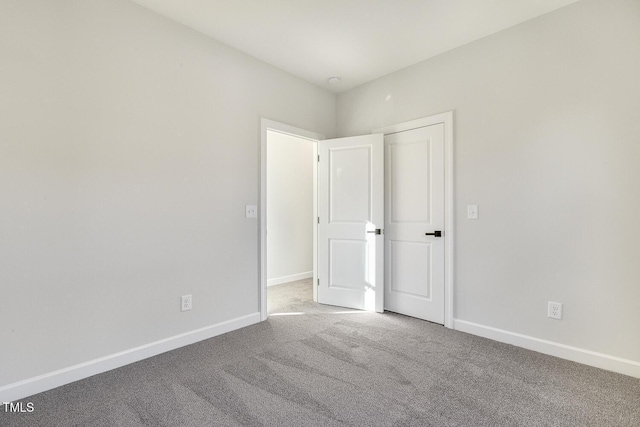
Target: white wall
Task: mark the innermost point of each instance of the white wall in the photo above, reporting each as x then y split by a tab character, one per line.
289	208
129	146
547	143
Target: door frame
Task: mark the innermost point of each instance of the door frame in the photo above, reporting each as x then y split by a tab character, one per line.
446	119
270	125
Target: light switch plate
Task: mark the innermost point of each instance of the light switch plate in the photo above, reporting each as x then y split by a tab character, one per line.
251	211
472	211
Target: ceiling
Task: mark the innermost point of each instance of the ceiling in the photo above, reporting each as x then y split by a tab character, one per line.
357	40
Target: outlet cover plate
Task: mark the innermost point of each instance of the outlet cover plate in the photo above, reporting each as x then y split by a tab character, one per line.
251	211
554	310
185	303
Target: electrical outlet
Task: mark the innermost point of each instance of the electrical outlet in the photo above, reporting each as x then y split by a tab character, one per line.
185	303
554	310
251	211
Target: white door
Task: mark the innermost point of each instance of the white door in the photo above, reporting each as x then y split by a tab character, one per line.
414	254
350	210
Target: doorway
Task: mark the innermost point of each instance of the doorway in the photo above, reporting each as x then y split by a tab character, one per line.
287	208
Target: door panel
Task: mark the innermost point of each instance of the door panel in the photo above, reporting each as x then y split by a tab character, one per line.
350	207
349	186
409	164
415	205
347	261
409	272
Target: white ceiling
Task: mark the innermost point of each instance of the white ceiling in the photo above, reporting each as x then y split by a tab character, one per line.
358	40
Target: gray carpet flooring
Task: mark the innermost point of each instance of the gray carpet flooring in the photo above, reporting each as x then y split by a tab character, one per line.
314	365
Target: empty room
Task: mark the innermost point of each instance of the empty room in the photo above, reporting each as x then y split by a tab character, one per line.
186	239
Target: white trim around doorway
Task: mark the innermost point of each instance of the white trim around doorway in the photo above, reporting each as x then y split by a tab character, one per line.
265	126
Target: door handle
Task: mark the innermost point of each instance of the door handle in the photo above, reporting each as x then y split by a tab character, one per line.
436	233
376	231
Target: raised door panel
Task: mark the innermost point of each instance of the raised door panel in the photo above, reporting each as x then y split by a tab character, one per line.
408	168
350	185
410	264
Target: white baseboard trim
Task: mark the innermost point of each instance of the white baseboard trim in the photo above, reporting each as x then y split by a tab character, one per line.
575	354
40	383
289	278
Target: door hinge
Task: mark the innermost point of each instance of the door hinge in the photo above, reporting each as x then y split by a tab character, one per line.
318	157
318	283
318	220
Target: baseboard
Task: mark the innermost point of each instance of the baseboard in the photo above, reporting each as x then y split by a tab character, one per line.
289	278
586	357
31	386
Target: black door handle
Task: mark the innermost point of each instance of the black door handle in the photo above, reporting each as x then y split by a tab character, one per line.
436	233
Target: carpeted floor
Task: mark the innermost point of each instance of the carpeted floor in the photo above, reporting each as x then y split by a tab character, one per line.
323	366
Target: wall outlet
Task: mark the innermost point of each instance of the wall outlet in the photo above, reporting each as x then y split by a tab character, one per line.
251	211
554	310
185	303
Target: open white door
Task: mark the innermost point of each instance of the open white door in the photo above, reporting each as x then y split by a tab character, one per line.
351	214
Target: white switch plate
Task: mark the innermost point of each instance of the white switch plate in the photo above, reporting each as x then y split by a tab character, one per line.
251	211
472	211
